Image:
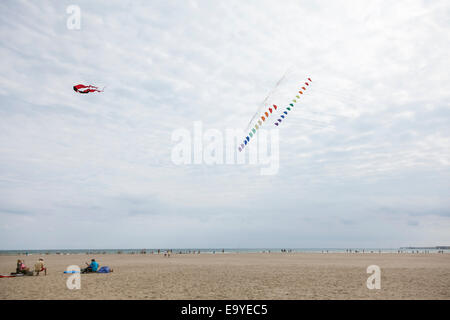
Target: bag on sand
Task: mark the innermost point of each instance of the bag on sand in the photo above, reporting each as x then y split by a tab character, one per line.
104	269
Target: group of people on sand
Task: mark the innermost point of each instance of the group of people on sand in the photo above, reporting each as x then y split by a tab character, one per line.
39	267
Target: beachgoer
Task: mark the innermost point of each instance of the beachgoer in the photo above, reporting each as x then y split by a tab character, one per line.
22	268
19	266
39	267
93	267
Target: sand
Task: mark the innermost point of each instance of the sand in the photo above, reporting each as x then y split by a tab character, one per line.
236	276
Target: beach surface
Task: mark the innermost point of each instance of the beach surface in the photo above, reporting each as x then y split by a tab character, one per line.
235	276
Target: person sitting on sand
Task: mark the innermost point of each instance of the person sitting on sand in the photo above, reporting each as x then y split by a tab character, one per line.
19	266
22	268
39	267
93	267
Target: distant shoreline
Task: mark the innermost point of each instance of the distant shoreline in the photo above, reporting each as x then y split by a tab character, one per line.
437	249
430	248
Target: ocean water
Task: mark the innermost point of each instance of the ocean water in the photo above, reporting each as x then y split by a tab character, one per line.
220	250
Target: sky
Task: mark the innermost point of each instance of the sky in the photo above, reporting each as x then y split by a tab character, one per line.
365	161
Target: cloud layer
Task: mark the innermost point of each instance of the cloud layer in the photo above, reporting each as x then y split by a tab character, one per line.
365	161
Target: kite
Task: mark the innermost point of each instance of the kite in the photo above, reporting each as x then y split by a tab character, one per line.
291	104
88	88
264	112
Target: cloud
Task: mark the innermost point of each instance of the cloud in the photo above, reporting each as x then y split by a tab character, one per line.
371	133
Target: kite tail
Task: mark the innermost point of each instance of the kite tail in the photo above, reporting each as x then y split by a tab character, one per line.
96	89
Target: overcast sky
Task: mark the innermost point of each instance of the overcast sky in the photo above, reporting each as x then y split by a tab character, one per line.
370	168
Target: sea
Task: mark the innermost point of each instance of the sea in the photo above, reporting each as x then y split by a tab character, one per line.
226	250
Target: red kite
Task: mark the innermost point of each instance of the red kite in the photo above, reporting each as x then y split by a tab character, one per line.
89	88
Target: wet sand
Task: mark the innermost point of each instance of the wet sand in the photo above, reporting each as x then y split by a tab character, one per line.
235	276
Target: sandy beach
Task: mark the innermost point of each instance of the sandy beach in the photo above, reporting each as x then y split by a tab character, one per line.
235	276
